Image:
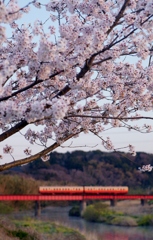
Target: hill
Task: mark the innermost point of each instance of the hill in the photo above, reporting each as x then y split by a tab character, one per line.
91	168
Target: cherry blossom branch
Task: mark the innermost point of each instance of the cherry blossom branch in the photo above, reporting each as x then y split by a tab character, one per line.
87	65
109	117
13	130
119	16
16	163
88	35
37	81
78	146
22	7
89	62
109	146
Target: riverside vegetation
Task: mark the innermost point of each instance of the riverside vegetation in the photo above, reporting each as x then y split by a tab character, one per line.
121	215
30	229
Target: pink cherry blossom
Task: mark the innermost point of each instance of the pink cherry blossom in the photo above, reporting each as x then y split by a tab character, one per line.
86	68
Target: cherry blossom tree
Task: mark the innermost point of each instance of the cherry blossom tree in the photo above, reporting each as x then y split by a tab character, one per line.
90	70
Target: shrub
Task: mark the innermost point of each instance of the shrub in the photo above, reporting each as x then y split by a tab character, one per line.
145	220
14	184
124	221
99	212
74	211
150	202
5	208
91	214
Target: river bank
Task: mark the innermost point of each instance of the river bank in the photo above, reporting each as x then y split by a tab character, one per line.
34	229
132	207
133	213
52	216
124	213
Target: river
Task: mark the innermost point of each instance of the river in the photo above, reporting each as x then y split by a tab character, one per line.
95	231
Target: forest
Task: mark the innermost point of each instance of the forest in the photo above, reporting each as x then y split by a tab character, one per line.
91	168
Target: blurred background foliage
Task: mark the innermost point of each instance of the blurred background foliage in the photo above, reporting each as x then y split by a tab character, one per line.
77	168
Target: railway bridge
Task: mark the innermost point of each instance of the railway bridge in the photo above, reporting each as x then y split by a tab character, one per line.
82	198
82	194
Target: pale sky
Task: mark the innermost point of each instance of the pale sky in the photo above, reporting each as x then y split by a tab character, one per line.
87	142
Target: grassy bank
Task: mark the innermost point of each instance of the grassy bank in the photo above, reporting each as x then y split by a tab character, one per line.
31	229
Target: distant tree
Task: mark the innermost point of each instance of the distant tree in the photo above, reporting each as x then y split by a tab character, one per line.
89	71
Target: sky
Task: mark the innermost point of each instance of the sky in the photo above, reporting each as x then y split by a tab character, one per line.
86	142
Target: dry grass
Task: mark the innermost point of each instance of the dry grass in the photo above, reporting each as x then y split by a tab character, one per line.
4	236
133	208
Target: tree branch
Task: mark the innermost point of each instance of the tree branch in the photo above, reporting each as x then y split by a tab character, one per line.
29	86
36	156
109	117
23	122
13	130
120	15
89	62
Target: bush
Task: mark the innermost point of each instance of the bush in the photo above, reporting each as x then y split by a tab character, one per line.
150	202
16	184
124	221
92	214
100	205
99	212
74	211
20	234
146	220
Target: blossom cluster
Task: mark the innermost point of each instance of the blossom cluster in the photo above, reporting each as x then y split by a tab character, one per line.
146	168
8	149
45	158
60	107
108	144
132	150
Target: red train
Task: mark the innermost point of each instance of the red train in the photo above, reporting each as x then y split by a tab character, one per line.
82	190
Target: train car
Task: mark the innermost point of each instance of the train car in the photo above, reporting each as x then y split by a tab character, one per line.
106	190
83	190
61	190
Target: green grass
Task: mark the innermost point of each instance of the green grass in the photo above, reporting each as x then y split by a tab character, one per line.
31	229
49	228
5	208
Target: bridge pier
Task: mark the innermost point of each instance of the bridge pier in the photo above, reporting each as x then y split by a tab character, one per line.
83	206
37	208
113	202
143	202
